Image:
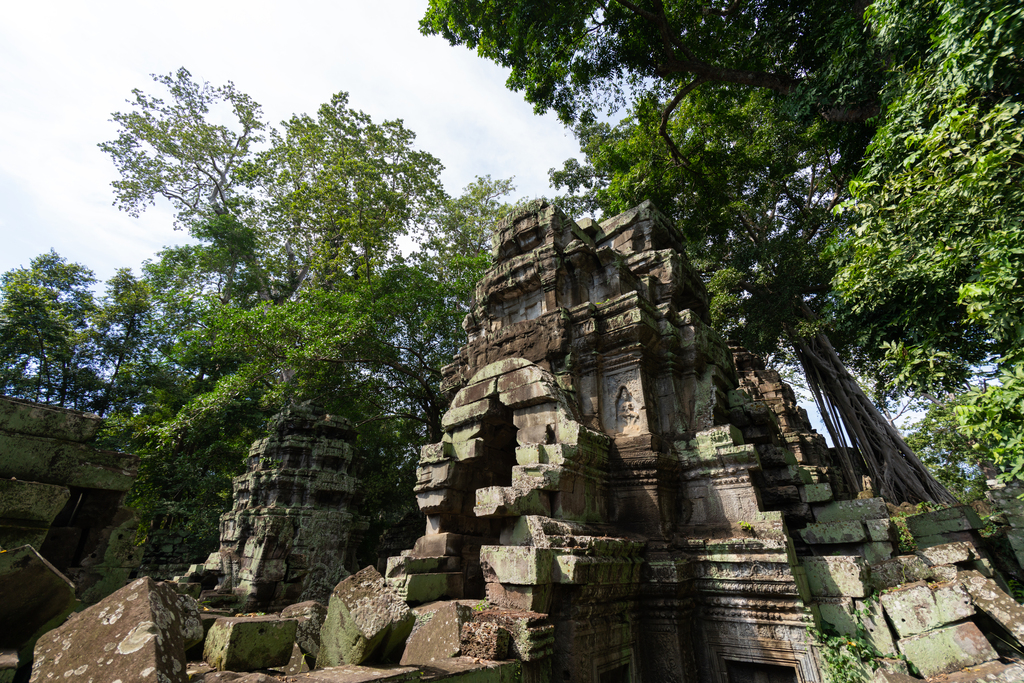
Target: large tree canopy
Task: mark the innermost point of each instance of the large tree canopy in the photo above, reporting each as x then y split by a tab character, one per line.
937	251
296	288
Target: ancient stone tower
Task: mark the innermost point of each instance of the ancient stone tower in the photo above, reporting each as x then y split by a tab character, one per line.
599	466
291	532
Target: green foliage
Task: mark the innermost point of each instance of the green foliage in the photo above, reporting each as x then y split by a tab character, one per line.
848	658
935	260
939	441
575	58
61	345
45	340
173	150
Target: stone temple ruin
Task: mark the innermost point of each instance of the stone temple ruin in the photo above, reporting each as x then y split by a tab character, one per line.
291	532
618	496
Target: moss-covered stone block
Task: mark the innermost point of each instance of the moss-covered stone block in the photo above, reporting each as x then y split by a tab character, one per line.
947	649
881	530
845	510
991	600
948	520
518	565
898	571
36	419
912	609
249	643
366	621
834	532
837	576
948	553
816	493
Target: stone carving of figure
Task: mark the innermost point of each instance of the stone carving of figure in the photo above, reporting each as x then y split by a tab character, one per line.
627	415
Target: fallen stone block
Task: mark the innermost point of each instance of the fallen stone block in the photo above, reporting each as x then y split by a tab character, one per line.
948	520
842	531
34	598
911	609
192	630
837	576
947	649
991	600
249	643
365	621
439	635
8	665
26	510
948	553
37	419
851	510
131	635
364	674
484	640
898	571
309	618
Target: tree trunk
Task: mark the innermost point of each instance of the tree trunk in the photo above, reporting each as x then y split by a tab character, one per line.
896	472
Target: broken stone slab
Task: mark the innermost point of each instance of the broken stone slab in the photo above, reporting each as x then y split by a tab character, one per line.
26	510
309	617
911	609
841	531
365	621
8	665
64	463
363	674
192	630
26	417
991	600
851	618
947	649
484	640
438	636
948	553
898	571
249	643
837	576
989	672
34	598
851	510
945	521
130	635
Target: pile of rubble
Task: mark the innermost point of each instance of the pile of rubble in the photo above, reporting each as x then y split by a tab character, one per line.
149	631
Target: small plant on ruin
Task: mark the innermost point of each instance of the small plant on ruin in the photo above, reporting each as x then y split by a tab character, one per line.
907	544
845	656
747	527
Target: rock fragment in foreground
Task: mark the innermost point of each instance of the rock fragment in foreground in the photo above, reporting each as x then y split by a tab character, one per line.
366	621
135	634
249	643
439	636
34	598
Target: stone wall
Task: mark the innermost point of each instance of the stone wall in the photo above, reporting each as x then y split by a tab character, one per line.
65	497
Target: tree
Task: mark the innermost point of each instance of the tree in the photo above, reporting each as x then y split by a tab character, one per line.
296	290
576	57
937	253
45	341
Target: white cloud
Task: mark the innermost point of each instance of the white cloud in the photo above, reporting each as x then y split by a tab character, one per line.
69	64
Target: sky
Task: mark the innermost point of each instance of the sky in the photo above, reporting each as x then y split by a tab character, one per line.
66	66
